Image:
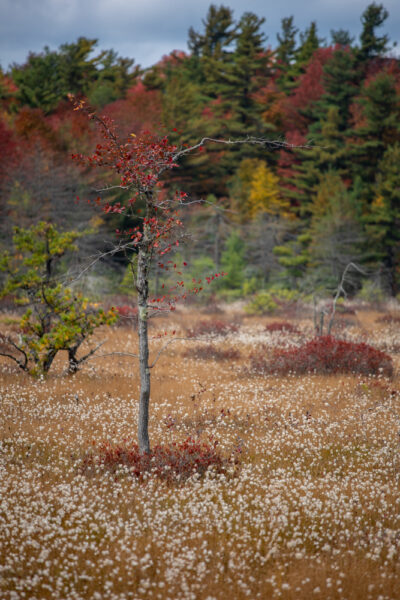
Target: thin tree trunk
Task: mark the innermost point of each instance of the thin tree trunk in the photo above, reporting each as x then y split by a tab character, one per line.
143	294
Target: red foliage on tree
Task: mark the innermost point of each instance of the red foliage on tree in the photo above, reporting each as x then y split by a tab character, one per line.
141	110
309	89
8	151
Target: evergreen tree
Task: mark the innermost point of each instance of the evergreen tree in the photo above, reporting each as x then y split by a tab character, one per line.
309	43
378	126
372	45
233	262
335	231
286	52
383	218
341	37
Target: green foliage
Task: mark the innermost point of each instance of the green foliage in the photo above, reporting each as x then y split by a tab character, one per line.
371	292
372	45
48	77
57	318
233	262
268	301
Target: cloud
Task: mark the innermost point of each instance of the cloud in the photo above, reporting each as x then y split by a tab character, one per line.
145	30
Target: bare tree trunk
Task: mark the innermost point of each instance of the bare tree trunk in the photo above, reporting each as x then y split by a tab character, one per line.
143	294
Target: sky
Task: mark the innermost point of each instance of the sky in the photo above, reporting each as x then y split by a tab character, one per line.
148	29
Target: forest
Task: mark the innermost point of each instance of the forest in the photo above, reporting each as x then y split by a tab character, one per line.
286	219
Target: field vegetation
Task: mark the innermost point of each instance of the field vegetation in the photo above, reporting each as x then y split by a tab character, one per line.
260	484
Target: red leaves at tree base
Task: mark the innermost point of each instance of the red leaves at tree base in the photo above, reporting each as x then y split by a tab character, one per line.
171	463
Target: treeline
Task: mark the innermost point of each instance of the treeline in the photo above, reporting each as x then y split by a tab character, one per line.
291	218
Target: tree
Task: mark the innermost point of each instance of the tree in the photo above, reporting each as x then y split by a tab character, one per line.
47	77
372	45
377	125
265	194
139	164
57	318
382	221
233	261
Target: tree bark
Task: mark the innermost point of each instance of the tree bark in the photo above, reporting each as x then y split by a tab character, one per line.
144	400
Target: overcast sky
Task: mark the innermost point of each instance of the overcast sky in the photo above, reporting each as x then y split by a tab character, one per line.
147	29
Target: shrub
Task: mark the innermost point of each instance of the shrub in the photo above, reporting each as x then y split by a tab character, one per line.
127	315
267	302
212	327
210	352
284	326
171	463
324	355
388	319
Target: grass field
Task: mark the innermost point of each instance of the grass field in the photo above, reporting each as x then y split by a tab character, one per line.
312	513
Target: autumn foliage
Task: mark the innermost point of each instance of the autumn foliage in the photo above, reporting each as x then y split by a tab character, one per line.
325	355
212	327
171	463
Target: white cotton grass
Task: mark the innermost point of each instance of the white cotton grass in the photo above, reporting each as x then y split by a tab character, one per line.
313	513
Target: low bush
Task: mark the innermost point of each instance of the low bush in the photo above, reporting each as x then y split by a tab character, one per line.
284	326
212	327
325	355
210	352
271	301
127	315
171	463
388	319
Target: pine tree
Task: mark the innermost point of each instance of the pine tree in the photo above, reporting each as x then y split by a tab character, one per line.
378	125
309	43
286	52
372	45
335	231
383	218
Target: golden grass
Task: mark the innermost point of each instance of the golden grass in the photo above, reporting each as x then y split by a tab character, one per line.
313	513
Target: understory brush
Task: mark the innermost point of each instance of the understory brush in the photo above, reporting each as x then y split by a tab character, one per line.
325	355
210	352
212	327
283	326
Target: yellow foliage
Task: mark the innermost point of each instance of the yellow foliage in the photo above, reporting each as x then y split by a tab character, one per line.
265	196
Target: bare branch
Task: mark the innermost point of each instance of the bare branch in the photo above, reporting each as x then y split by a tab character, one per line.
89	354
270	144
6	340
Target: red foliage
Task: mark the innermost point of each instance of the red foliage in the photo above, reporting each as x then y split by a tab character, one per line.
326	355
212	327
128	315
388	319
141	110
210	352
31	125
171	463
308	91
282	326
8	151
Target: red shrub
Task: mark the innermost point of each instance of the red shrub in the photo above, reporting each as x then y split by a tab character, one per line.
210	352
128	315
175	462
282	326
388	319
212	327
326	354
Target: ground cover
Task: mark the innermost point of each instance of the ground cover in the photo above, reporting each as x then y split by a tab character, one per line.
307	504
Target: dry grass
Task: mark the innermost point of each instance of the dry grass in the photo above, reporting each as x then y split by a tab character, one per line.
314	512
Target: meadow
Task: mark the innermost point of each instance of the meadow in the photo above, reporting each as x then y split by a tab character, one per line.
306	507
